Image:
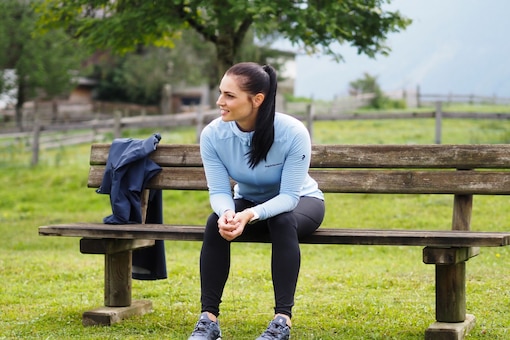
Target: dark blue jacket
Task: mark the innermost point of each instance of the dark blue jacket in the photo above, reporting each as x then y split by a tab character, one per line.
128	169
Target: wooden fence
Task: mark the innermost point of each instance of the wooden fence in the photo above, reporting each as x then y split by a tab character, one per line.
46	134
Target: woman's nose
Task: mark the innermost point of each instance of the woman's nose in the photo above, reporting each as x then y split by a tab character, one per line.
219	100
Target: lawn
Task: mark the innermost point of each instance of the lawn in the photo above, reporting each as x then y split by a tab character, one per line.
344	292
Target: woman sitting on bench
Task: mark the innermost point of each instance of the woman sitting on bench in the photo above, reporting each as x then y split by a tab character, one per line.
268	155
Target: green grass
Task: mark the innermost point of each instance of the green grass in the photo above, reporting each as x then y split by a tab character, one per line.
344	292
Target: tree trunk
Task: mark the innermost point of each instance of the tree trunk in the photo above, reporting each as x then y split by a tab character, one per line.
19	104
54	111
227	42
225	52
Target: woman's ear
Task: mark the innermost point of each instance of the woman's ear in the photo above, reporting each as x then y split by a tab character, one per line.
258	99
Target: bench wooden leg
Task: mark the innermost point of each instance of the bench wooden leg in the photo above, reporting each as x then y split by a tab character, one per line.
117	279
452	322
117	282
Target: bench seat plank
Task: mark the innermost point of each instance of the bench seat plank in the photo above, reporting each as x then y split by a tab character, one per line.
446	238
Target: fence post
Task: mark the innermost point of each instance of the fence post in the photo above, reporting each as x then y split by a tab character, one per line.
117	124
309	119
166	99
200	121
439	118
36	139
418	103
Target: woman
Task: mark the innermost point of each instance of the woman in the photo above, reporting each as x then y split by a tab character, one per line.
268	155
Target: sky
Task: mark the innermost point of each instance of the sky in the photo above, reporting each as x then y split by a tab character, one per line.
452	46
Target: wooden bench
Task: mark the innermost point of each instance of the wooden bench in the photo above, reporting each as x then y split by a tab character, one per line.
457	170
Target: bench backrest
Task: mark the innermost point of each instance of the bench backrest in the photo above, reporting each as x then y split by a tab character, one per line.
460	170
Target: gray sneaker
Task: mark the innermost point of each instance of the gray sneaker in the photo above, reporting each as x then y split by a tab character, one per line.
206	329
277	330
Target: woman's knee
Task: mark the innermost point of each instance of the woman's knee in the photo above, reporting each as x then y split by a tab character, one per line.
285	220
211	227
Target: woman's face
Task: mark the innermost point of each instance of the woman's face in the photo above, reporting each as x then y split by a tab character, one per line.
237	105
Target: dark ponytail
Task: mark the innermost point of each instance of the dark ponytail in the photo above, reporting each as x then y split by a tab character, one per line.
263	137
259	79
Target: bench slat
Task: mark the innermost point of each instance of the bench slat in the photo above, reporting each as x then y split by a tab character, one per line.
353	156
353	181
413	182
412	156
169	178
164	155
448	238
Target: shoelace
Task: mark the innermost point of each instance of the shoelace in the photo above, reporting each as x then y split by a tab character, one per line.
201	327
272	331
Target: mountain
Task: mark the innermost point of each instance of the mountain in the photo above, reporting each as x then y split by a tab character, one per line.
452	46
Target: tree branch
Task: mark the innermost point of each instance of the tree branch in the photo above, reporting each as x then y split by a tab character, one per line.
201	29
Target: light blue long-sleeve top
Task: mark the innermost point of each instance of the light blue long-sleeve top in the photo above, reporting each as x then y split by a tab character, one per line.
274	185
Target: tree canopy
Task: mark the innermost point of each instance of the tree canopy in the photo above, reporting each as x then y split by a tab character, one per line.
369	85
311	25
43	64
139	76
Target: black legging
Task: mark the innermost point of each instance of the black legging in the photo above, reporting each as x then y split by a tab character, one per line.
284	231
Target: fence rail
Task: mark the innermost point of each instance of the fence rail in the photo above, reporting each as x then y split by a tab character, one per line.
462	98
